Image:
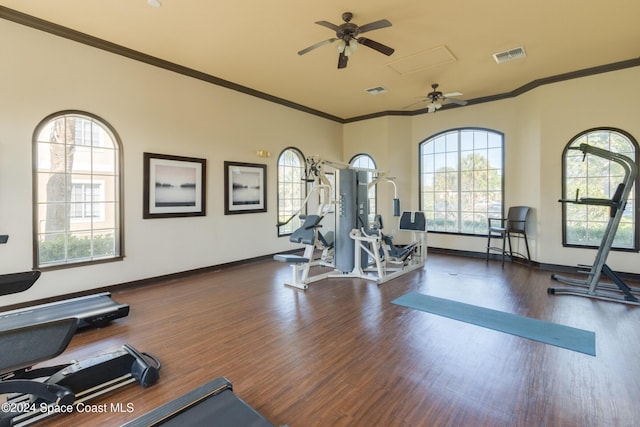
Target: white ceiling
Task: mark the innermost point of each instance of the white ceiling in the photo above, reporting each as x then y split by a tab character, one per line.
254	43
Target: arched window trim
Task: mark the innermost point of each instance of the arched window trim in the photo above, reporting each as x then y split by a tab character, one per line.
119	188
636	190
496	213
303	160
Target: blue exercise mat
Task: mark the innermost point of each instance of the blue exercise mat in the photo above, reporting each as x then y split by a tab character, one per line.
538	330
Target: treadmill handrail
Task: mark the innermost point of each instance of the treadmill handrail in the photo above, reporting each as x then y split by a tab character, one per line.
85	313
53	303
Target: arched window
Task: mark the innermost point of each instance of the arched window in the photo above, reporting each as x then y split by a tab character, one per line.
365	161
77	191
461	180
292	189
595	177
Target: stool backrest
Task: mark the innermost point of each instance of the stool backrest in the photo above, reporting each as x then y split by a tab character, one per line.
517	218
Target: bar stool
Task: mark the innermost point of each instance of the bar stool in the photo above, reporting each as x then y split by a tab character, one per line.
515	224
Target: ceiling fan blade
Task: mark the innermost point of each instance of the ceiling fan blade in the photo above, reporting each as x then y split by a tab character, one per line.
383	23
447	95
456	101
376	46
317	45
414	103
329	25
342	60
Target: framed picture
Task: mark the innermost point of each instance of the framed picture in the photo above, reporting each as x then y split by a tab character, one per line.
174	186
245	188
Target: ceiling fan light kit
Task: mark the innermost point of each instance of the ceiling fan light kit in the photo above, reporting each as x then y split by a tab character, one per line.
432	107
348	40
437	98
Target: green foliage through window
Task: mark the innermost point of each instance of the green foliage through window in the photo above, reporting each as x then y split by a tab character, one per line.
595	177
62	248
291	188
77	190
461	180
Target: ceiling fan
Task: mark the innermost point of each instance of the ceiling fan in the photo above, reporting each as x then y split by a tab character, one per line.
436	98
348	40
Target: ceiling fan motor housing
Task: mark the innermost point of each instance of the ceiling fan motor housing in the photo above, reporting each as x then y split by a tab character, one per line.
348	31
436	94
348	34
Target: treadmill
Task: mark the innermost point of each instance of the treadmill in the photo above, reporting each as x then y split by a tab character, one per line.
92	310
33	394
211	404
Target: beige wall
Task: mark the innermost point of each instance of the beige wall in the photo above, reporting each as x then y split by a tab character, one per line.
537	125
154	110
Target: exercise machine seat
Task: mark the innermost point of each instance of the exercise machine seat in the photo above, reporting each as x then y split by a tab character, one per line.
306	234
290	258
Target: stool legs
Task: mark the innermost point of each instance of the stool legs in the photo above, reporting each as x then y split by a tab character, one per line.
504	237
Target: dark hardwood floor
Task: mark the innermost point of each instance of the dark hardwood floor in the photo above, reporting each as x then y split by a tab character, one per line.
340	354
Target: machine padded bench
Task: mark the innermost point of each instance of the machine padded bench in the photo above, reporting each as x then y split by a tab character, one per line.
291	258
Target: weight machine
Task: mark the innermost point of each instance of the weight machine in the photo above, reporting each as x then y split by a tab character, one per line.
309	232
619	291
388	261
358	248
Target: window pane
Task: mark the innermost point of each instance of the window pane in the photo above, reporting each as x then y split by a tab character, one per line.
466	140
291	189
597	177
77	190
467	183
366	162
52	248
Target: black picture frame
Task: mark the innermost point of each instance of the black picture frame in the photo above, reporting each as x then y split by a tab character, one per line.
245	188
174	186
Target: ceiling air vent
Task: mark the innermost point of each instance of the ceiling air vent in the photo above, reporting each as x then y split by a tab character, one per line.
376	90
509	55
